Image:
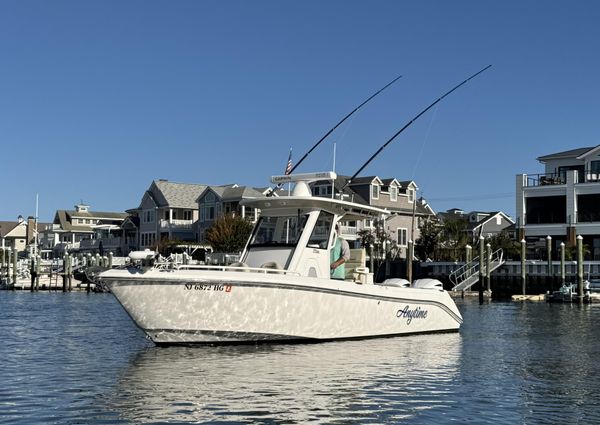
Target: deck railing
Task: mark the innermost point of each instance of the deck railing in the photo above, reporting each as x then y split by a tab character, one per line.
546	179
176	224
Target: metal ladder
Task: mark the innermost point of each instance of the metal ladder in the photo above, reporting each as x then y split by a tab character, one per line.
466	276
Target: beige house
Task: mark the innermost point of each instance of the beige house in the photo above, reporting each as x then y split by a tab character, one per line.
20	234
406	212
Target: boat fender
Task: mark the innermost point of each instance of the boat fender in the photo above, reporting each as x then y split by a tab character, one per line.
271	265
240	266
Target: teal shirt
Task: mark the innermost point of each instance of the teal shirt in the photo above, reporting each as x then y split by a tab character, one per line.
336	253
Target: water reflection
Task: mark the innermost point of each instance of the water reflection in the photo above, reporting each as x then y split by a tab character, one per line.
384	380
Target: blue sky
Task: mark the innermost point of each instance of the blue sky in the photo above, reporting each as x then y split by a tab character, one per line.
99	98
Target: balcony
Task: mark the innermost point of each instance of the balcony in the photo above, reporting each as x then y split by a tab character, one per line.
588	216
176	225
549	179
534	180
348	232
94	244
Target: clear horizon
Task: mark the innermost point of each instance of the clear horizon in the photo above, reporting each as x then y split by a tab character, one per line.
98	99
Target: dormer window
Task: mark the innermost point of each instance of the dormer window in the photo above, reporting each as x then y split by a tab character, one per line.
375	191
393	193
411	195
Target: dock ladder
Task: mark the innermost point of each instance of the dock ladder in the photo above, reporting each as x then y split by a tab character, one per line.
467	275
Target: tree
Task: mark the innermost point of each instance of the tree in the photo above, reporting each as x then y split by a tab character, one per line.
510	248
165	246
430	236
453	238
229	233
383	245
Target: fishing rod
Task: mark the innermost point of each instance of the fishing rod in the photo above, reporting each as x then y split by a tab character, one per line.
408	124
344	119
338	124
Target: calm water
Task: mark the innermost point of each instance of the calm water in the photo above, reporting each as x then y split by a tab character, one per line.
77	358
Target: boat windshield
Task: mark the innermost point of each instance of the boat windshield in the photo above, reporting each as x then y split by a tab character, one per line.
278	230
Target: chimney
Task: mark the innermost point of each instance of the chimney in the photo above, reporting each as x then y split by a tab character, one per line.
30	229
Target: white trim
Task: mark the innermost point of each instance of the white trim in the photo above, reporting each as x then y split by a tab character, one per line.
372	186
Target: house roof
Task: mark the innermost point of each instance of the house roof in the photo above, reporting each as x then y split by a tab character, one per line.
6	227
176	195
233	192
406	183
239	192
364	180
387	182
572	153
491	215
64	217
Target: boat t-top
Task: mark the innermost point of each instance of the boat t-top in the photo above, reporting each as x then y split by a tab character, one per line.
281	289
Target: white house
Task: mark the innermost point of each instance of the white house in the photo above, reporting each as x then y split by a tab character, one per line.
563	201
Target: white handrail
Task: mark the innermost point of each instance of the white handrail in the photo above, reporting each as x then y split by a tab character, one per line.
470	269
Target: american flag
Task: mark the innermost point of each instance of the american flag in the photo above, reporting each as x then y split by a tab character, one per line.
288	167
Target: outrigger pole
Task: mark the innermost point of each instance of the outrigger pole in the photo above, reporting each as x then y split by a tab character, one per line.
408	124
340	123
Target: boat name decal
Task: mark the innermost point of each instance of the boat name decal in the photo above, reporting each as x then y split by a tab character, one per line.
410	314
207	287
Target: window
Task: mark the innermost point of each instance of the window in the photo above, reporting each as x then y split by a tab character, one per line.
498	220
375	191
187	215
208	212
321	231
278	230
148	216
209	209
411	195
393	193
402	236
147	239
322	190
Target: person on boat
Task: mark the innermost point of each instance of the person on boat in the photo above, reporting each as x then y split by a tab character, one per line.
339	255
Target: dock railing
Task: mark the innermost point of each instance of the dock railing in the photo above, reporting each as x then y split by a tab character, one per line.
467	275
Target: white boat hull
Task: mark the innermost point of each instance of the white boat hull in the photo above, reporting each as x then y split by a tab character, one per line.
215	307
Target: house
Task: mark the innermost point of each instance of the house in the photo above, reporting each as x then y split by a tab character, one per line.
563	201
480	223
216	201
20	234
168	210
82	230
398	197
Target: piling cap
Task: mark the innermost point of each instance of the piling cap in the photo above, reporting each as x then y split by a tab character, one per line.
579	237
